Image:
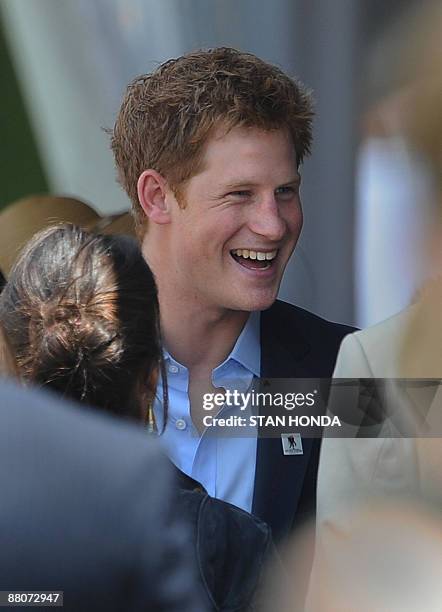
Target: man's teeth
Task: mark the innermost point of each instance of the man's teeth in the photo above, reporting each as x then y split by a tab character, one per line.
259	255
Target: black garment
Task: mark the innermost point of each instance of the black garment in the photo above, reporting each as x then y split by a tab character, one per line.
294	344
87	508
2	281
231	546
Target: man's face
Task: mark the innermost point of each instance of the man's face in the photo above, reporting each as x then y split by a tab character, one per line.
228	247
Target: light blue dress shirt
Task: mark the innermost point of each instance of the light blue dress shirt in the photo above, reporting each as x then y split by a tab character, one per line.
224	465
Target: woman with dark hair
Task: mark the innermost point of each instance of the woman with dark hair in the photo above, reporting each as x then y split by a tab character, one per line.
81	312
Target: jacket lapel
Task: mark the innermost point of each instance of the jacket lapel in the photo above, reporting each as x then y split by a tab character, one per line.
279	478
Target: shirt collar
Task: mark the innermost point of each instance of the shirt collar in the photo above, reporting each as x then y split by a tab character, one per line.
247	349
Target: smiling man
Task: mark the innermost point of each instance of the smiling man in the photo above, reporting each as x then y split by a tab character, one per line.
209	147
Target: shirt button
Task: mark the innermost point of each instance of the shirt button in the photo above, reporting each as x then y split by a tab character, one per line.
180	424
173	369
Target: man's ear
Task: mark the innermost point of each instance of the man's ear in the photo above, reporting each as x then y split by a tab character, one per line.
152	195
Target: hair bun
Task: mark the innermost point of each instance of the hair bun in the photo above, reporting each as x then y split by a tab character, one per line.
66	341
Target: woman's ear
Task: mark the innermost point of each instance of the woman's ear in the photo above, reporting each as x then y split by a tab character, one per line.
153	196
8	365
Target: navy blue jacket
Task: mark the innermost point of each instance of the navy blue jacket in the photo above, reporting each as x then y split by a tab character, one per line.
294	344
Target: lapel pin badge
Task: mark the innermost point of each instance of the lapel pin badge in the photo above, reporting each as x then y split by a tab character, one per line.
291	444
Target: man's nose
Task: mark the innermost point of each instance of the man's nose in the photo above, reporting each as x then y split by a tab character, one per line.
266	219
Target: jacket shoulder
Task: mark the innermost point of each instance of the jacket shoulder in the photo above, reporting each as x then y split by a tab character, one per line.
287	316
296	342
374	351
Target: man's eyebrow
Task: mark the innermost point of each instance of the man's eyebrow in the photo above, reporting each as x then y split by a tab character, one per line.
236	185
240	184
293	181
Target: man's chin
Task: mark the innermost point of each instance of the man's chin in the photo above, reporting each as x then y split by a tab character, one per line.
255	303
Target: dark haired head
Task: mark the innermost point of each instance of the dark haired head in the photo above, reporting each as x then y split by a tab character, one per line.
81	312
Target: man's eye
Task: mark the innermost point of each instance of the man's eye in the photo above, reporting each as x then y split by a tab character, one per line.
240	194
285	190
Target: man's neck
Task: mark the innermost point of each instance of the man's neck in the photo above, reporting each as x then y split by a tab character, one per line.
198	336
201	338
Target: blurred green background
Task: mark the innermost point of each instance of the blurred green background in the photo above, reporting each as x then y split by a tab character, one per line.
20	166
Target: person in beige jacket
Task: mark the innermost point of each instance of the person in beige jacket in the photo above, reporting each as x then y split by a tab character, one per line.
360	473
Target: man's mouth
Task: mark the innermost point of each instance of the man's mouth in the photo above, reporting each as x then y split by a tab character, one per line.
254	260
